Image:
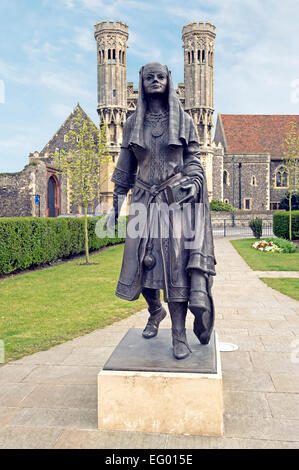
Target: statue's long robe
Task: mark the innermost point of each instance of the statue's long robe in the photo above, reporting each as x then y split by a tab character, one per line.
149	166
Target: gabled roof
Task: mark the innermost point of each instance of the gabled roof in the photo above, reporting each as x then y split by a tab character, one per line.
57	141
250	133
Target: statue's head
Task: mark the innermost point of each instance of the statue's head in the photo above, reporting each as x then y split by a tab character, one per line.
155	79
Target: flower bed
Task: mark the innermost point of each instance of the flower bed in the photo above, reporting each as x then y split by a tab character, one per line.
263	245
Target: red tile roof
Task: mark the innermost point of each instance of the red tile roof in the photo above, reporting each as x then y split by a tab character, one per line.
259	133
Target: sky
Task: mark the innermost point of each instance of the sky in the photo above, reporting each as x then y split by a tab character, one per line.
48	59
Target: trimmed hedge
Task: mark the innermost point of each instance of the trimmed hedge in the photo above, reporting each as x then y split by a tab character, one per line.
281	224
27	242
220	206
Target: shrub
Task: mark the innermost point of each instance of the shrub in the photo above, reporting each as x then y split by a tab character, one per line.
256	226
220	206
287	247
29	241
281	224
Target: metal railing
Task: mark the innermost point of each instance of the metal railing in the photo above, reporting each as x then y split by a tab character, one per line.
240	228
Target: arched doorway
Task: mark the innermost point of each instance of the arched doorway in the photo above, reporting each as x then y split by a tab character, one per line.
52	197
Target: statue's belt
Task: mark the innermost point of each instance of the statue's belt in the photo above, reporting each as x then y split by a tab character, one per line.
155	189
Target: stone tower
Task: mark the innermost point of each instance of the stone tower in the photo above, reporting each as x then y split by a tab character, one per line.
198	39
111	41
198	46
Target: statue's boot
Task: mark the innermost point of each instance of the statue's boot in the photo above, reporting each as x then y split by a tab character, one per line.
178	312
156	310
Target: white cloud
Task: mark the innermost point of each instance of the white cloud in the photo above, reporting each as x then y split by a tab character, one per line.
11	73
60	110
45	51
141	47
84	39
2	91
63	83
70	4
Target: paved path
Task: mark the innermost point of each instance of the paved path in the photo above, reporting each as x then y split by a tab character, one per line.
49	399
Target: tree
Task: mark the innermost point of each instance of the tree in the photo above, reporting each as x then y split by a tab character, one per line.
290	148
85	164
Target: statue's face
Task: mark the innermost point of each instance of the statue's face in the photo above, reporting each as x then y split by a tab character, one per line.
155	79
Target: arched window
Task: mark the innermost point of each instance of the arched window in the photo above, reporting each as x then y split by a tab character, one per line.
100	57
123	57
226	177
119	57
192	57
103	56
203	56
212	58
281	178
188	57
113	55
109	54
198	56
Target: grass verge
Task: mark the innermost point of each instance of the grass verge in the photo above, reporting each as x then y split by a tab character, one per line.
287	286
261	261
46	307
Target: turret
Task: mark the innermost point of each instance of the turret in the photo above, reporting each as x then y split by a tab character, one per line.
198	39
112	77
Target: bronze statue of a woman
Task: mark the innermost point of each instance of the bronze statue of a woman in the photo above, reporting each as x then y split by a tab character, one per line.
160	161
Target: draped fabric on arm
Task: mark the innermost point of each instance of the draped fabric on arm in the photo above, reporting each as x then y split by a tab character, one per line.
125	170
202	255
192	164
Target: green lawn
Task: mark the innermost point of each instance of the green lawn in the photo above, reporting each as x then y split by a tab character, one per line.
46	307
261	261
287	286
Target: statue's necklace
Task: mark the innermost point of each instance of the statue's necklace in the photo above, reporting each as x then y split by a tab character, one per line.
156	121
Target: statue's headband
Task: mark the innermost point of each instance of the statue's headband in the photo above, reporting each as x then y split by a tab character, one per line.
153	66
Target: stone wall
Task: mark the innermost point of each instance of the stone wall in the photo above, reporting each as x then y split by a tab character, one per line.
248	178
16	193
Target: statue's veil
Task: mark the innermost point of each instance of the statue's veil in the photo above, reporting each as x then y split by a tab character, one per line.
179	130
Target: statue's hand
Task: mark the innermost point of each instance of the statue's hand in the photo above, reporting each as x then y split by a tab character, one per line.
111	219
191	191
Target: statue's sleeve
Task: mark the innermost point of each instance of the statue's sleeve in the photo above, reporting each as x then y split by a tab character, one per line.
192	164
124	173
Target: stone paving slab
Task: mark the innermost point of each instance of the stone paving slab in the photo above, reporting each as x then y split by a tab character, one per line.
279	274
110	440
21	437
66	418
49	399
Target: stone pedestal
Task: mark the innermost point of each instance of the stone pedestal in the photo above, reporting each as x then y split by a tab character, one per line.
142	387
